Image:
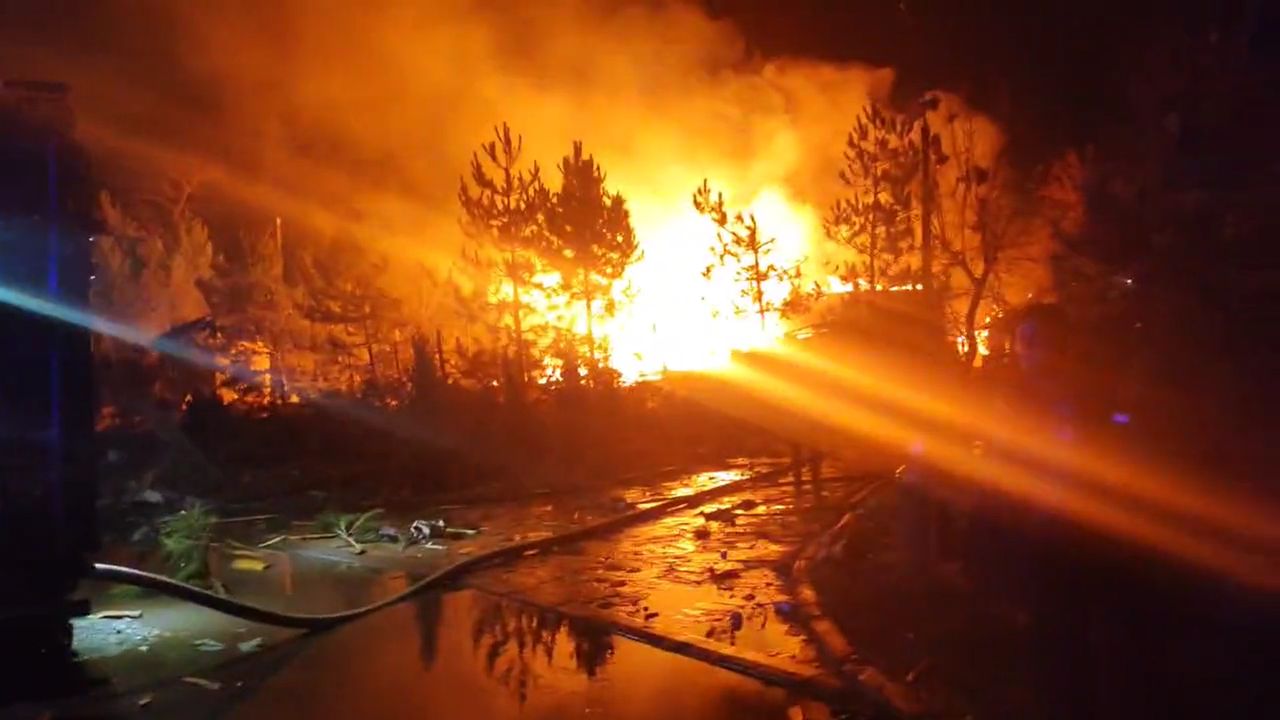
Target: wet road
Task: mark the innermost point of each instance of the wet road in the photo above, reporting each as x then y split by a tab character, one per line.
712	577
716	573
467	655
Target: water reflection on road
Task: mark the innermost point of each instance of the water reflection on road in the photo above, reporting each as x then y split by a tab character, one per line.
716	573
469	655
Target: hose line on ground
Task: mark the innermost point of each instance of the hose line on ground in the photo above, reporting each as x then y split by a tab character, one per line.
255	613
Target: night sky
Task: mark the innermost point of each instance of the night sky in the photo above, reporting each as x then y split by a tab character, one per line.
1050	71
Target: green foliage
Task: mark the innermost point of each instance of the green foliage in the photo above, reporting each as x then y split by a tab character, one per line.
184	544
350	526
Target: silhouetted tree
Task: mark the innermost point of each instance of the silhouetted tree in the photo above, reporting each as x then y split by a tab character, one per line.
882	160
593	241
344	292
149	264
739	245
249	298
995	229
503	210
425	379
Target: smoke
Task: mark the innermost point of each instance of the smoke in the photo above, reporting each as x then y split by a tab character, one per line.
358	118
364	113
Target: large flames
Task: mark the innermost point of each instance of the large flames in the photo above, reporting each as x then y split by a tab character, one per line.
363	135
677	319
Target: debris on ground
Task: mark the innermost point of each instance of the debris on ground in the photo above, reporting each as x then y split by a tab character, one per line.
184	543
723	575
201	682
352	528
250	645
249	564
145	700
724	515
116	614
244	518
420	531
208	645
148	497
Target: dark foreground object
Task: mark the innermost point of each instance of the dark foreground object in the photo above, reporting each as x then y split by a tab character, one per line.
1015	624
46	402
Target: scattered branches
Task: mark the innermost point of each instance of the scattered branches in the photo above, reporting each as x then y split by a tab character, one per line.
184	544
352	528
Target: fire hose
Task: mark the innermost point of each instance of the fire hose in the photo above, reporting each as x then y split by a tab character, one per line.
820	687
256	613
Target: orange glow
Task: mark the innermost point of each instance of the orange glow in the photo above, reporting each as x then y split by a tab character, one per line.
1093	484
679	320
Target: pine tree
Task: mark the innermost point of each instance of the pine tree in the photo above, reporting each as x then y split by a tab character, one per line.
344	292
593	242
503	211
882	160
740	246
249	297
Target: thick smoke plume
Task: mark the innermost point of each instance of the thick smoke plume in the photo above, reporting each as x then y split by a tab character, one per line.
366	112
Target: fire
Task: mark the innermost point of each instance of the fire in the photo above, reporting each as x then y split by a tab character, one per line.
677	319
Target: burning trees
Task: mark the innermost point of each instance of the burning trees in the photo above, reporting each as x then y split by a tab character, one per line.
503	212
344	293
593	242
739	245
875	220
248	295
995	227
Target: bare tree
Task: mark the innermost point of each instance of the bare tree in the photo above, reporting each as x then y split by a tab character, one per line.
740	246
593	241
991	224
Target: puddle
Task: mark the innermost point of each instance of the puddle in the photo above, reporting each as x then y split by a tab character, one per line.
716	573
470	655
173	637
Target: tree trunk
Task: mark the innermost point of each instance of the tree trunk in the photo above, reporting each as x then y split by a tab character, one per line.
591	336
971	316
368	348
758	286
926	210
873	246
518	328
395	355
440	355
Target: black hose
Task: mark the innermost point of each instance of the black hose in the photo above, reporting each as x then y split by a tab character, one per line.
255	613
